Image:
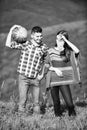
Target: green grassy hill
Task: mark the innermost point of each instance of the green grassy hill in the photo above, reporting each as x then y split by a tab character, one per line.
40	12
9	62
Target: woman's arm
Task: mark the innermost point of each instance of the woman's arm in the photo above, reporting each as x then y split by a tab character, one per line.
73	47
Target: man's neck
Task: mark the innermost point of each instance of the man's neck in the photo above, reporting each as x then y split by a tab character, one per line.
34	43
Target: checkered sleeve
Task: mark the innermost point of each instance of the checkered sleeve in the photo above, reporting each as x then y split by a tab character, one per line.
44	48
15	45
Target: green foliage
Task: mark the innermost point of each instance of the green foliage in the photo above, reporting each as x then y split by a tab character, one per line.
11	119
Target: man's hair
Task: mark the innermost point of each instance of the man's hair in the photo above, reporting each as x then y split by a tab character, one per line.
36	29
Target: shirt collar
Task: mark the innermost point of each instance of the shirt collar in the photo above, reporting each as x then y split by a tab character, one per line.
34	43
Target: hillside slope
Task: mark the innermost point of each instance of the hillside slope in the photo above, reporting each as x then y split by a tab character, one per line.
40	12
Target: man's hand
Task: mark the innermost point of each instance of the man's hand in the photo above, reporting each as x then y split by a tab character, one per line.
13	44
39	77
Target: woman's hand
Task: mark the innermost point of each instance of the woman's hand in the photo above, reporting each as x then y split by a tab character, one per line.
57	71
63	37
71	45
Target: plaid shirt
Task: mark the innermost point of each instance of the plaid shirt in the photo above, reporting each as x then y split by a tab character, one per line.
30	58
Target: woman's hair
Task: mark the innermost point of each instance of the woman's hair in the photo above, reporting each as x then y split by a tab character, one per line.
66	47
64	32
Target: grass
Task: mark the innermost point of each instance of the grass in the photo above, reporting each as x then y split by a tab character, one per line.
10	119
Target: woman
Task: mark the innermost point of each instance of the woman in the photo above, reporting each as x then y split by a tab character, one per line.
63	57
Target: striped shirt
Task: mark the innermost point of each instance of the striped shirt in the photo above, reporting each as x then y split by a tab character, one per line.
30	58
58	59
67	64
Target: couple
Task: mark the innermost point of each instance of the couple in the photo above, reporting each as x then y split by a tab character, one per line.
32	62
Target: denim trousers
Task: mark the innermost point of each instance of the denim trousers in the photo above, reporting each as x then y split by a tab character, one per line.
66	93
24	85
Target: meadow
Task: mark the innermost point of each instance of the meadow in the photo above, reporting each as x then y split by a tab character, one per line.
47	15
10	119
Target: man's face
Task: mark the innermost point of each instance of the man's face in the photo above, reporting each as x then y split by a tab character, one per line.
37	37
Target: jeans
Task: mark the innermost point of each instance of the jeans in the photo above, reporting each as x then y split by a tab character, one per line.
66	93
24	84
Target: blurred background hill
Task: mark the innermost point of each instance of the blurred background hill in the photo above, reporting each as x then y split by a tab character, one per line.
40	12
44	13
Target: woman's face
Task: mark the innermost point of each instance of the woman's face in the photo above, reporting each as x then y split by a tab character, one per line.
59	41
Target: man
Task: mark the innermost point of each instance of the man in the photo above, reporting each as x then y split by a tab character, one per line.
30	64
